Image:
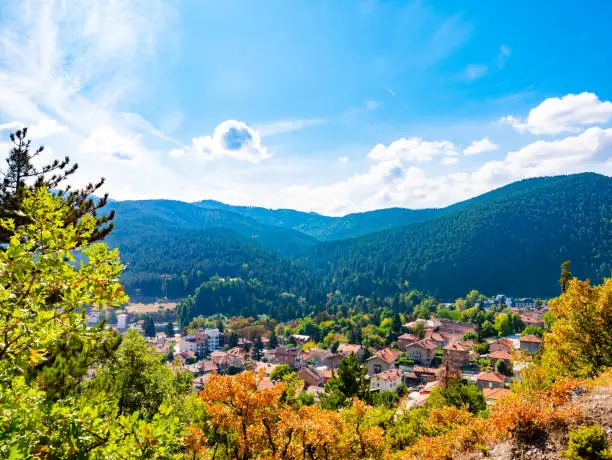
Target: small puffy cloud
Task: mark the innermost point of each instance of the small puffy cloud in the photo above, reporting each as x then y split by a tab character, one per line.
413	149
483	145
475	71
570	113
232	139
343	160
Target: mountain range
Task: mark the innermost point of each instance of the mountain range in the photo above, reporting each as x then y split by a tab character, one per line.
512	239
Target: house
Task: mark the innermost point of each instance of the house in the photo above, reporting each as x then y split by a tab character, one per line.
310	377
425	374
411	379
405	340
382	360
422	351
455	327
290	356
300	339
456	354
122	321
441	340
201	342
265	368
524	303
490	380
500	355
223	360
315	356
502	344
345	349
532	320
492	395
531	343
386	381
320	357
332	360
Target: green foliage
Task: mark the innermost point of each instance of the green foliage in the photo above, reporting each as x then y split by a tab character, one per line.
587	442
139	378
148	327
458	393
535	330
503	368
280	371
385	398
349	382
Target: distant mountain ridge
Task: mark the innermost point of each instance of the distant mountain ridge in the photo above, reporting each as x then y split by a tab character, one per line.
511	239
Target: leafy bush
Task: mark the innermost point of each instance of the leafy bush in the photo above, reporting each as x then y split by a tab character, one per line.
587	442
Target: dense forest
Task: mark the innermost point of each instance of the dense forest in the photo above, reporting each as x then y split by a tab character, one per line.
510	240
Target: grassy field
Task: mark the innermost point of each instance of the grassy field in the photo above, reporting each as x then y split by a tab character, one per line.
149	307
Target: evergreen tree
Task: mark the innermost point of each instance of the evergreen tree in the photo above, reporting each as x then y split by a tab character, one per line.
273	339
566	275
169	330
22	175
232	340
350	381
148	327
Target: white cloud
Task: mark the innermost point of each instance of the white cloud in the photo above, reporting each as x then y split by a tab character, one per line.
233	139
483	145
343	160
105	140
503	56
413	149
570	113
475	71
449	161
40	130
285	126
394	182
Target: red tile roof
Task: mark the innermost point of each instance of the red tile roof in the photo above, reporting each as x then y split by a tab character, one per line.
391	374
495	393
407	336
531	338
500	355
348	348
387	355
490	377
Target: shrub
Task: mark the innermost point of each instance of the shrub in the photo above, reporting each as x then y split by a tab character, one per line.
587	442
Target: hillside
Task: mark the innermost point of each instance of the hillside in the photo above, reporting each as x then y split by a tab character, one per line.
511	240
138	219
324	227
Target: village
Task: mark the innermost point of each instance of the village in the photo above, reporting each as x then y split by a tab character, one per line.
410	370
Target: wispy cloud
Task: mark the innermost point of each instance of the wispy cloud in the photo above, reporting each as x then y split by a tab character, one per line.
296	124
503	56
475	71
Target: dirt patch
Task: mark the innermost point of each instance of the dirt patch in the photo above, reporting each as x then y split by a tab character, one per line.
149	307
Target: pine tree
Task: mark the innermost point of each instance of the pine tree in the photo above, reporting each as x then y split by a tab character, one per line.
21	174
148	327
566	275
273	339
169	329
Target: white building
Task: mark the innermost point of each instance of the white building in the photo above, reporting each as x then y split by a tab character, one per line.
386	381
202	342
213	339
122	321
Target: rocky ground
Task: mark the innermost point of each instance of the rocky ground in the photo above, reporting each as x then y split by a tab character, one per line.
596	407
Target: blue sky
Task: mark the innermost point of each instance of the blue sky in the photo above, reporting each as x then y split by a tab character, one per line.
333	106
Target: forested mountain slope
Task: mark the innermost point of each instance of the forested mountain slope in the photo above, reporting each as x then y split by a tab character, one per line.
328	228
142	219
511	240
